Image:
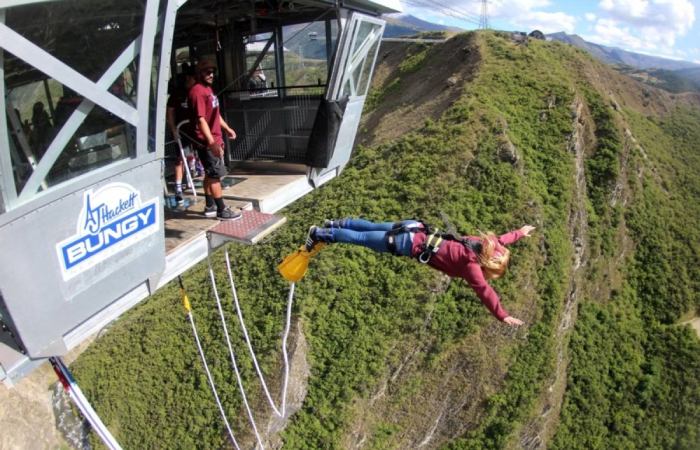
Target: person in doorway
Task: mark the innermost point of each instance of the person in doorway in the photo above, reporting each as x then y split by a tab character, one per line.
41	134
475	259
178	111
208	126
257	82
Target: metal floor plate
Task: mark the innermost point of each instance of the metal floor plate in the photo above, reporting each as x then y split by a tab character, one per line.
249	229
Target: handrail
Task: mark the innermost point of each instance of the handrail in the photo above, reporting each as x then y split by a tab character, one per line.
276	88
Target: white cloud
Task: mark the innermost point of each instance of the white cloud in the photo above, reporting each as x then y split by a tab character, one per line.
546	22
500	8
611	32
524	14
615	34
509	9
626	9
590	17
694	55
672	16
645	26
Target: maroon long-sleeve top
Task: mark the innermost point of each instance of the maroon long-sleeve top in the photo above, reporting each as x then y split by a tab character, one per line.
456	260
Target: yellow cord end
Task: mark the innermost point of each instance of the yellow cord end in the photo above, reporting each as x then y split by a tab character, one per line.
186	302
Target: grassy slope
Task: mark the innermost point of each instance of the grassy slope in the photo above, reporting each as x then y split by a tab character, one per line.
362	311
634	380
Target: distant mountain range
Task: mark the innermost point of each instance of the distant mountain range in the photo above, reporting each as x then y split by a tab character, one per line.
612	55
398	25
669	74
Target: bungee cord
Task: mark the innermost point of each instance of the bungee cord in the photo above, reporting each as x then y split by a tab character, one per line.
76	394
190	316
231	353
278	411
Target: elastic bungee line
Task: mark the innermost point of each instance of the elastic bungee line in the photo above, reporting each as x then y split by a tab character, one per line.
76	394
239	380
281	411
190	316
290	297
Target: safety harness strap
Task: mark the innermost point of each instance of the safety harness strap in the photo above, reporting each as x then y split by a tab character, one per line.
400	228
430	247
433	242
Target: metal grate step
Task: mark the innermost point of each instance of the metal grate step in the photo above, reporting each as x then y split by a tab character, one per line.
249	229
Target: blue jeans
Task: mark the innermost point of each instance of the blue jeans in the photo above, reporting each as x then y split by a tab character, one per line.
372	235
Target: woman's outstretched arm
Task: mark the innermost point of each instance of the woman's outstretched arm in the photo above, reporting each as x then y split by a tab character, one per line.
515	235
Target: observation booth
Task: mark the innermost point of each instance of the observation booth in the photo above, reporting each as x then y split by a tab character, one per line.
84	231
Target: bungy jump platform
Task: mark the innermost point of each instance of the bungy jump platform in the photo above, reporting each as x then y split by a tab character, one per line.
185	230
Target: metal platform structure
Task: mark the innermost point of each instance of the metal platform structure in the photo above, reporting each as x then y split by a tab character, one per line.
84	235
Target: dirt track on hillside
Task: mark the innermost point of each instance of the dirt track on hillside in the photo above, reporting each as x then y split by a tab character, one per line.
423	94
27	413
26	410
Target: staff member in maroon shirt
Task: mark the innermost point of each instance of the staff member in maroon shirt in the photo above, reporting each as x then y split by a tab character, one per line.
207	126
475	259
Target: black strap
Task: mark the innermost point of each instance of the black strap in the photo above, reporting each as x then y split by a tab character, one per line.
391	243
399	228
428	249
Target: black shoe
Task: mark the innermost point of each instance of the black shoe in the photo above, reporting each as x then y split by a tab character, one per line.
228	214
311	240
179	199
210	211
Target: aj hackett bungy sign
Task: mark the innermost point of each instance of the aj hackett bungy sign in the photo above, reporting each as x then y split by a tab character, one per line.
112	218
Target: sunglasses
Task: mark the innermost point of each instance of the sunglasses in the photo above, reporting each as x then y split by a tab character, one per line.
209	71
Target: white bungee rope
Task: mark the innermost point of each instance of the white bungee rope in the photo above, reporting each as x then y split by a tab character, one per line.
76	394
190	316
280	412
231	353
290	297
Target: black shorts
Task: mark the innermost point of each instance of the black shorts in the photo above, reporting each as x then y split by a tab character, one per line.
213	167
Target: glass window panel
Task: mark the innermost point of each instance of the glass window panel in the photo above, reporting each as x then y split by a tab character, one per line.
364	31
261	81
43	106
306	55
359	65
87	35
347	88
363	85
100	140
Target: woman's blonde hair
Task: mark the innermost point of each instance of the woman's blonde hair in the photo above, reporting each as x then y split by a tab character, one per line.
492	265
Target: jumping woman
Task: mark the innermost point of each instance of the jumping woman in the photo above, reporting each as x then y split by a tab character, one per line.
475	259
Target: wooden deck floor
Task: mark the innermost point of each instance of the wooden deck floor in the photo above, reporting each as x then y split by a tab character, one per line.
248	187
186	224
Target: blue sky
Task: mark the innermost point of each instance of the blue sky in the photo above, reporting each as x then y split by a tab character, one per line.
667	28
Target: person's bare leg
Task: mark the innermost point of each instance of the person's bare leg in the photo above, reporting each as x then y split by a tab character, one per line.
178	182
210	205
179	171
215	188
207	185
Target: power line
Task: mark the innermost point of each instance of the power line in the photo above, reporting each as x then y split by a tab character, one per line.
445	9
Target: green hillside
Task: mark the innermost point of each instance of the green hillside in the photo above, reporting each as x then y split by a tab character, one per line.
399	356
